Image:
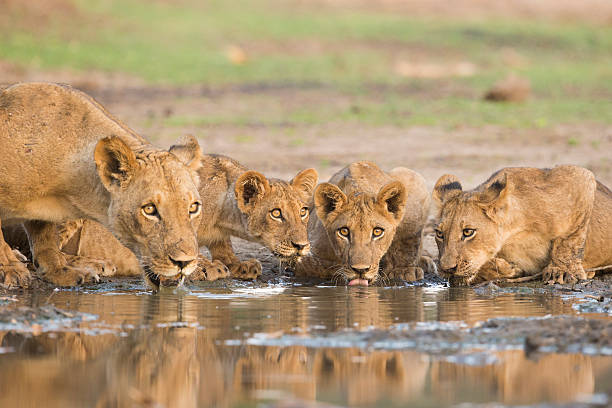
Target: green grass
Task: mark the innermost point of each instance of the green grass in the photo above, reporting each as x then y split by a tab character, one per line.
569	65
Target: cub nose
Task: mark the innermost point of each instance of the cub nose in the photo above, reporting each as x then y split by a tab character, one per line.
181	262
299	246
360	269
448	265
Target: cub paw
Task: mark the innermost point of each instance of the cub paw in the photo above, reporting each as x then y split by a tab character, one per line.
14	275
409	273
428	265
563	275
209	270
247	270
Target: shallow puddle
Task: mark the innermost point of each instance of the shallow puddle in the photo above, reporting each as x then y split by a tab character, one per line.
117	345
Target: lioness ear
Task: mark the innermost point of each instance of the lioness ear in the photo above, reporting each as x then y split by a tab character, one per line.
115	161
250	187
328	199
188	151
305	182
392	198
446	187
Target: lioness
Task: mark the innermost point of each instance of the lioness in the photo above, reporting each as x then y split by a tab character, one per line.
522	221
62	157
236	202
366	217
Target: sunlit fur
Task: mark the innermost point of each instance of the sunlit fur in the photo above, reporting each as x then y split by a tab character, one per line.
555	221
64	157
361	198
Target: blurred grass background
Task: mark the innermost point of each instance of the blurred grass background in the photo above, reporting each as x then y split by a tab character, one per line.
399	68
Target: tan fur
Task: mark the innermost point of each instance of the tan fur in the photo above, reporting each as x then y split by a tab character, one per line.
236	202
63	157
362	197
526	220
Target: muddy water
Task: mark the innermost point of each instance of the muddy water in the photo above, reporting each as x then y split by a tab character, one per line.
116	345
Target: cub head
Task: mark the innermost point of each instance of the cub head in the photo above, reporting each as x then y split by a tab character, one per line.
469	228
155	207
277	211
361	227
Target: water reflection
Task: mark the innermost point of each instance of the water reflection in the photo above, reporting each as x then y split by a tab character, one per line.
177	351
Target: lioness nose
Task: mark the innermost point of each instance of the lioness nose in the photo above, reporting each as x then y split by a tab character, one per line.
360	269
181	263
299	246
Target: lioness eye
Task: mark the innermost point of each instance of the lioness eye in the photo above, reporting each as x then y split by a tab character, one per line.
439	234
468	232
194	208
303	212
343	232
378	232
276	213
149	209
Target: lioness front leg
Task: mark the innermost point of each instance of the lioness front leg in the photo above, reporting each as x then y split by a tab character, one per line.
13	272
566	259
56	267
208	270
403	259
246	270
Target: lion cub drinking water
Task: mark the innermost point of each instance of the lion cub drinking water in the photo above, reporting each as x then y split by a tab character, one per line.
235	202
522	221
366	218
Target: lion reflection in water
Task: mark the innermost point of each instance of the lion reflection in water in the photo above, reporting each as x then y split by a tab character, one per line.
186	367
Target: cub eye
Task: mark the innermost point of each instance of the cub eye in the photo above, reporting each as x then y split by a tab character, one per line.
194	208
439	234
276	214
150	210
468	232
344	232
378	232
304	212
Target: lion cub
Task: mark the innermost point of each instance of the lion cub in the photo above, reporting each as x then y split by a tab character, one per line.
367	218
522	221
235	202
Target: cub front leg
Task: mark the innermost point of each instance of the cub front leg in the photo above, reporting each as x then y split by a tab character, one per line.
403	259
246	270
13	272
498	268
566	260
208	270
55	266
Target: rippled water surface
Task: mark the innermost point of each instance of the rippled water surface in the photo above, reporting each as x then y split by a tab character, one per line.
121	346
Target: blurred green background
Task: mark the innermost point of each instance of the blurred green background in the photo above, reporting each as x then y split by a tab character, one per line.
446	60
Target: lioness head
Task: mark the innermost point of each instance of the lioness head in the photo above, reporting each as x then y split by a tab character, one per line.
361	227
469	228
276	211
155	207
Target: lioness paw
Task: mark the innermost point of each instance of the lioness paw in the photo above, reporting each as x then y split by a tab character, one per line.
14	275
79	270
209	270
247	270
409	273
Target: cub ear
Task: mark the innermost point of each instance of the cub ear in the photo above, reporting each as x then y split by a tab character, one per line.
495	192
250	187
328	199
305	182
446	187
116	163
392	199
188	151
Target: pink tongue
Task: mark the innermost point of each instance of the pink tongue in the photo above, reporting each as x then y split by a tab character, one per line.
354	282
